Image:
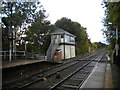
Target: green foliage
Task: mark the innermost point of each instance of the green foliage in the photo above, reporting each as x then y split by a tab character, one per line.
36	33
94	45
82	41
22	14
112	22
98	45
19	13
33	47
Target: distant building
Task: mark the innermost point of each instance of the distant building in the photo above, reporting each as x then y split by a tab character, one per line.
62	45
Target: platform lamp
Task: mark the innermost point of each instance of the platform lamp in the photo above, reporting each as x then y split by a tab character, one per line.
116	45
116	40
11	33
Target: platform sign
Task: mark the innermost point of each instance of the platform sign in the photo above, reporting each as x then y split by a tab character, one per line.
116	48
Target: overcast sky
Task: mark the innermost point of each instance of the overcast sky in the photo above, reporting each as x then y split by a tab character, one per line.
88	13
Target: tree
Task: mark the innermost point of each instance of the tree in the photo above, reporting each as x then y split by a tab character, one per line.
112	22
82	41
20	15
37	32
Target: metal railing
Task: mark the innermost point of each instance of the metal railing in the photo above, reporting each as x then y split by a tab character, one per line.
22	55
52	48
6	54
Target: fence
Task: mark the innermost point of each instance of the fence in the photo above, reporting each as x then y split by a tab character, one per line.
22	55
34	55
17	54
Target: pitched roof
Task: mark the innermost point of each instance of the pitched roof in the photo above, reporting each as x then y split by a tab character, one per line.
61	32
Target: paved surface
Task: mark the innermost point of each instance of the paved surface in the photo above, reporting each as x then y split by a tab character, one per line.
7	64
104	75
108	77
101	77
116	76
96	78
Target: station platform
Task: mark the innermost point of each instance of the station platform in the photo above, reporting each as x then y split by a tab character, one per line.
13	63
104	75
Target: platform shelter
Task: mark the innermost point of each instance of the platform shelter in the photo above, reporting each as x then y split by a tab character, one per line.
62	45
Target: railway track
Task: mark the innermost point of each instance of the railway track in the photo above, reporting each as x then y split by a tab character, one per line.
26	81
21	71
71	81
76	79
76	65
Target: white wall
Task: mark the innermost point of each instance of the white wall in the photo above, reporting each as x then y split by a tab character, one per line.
62	49
72	51
69	51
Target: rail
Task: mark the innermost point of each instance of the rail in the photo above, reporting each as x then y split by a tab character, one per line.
5	54
24	82
61	84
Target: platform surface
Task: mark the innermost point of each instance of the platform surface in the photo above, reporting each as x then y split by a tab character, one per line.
7	64
101	77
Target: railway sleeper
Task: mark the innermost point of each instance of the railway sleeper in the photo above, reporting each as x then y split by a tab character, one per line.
69	86
87	69
86	72
80	78
90	66
79	59
73	82
86	60
77	80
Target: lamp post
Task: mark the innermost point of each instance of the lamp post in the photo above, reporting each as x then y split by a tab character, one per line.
116	42
11	33
116	38
116	45
12	42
